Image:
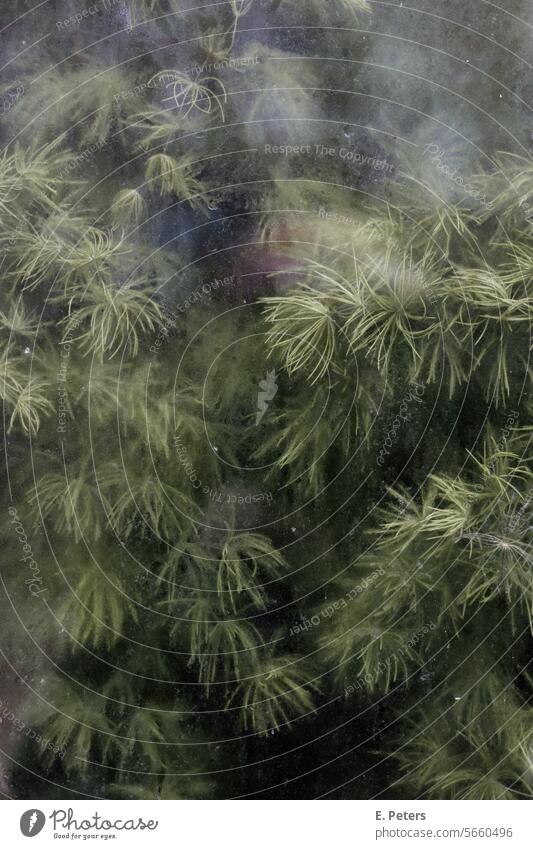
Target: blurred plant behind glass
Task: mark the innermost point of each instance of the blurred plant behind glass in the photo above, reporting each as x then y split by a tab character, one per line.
265	376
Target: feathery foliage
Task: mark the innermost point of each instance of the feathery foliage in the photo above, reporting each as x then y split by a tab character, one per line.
246	385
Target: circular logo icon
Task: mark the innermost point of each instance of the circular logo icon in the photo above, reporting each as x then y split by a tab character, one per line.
32	822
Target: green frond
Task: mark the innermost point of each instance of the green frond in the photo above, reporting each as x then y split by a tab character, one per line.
128	208
115	317
500	565
204	582
373	307
405	582
484	296
29	177
445	355
395	307
30	406
72	502
484	702
154	127
75	724
95	610
310	434
167	420
471	524
102	393
144	740
509	188
144	9
88	103
444	513
516	271
143	505
276	697
246	559
200	611
228	652
20	321
448	759
302	332
204	94
173	177
239	8
351	7
356	5
25	396
364	652
213	45
292	93
189	558
56	253
121	690
447	223
228	390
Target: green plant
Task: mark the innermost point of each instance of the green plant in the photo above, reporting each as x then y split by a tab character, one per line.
57	255
276	697
349	6
26	396
142	505
303	332
227	652
239	8
95	611
228	585
128	208
244	560
204	94
29	177
77	726
458	760
71	501
115	317
173	177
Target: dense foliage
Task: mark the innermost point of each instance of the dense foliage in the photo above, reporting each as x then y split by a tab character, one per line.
267	418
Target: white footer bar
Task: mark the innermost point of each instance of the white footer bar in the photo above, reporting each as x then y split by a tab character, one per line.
267	824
